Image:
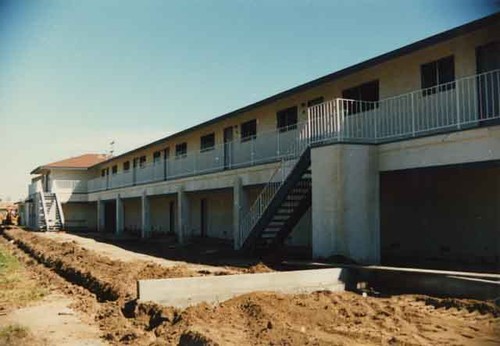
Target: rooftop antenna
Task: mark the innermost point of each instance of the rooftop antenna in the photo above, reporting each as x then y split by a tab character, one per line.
111	148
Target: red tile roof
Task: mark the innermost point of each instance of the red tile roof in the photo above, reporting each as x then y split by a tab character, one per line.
79	162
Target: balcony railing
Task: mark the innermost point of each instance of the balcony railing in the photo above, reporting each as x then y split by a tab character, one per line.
266	147
461	104
68	186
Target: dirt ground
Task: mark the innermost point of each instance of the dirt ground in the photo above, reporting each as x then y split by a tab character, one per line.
103	287
33	314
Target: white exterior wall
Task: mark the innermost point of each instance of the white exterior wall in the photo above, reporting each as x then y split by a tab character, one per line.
132	219
219	213
160	213
80	216
345	202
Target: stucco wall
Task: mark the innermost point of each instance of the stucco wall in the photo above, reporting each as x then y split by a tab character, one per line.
345	202
443	214
80	216
132	214
219	204
160	213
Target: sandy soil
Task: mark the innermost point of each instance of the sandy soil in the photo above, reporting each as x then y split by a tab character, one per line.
55	323
35	313
321	318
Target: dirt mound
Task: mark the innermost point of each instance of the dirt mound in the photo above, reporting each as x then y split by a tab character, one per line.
463	304
258	268
319	318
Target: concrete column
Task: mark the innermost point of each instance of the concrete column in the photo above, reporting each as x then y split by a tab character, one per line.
240	208
183	212
145	216
100	216
345	202
119	216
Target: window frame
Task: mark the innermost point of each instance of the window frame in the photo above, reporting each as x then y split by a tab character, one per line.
283	117
178	153
114	169
433	75
203	145
315	101
248	137
157	157
361	92
142	161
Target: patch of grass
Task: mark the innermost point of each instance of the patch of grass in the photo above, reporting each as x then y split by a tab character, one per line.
16	288
14	335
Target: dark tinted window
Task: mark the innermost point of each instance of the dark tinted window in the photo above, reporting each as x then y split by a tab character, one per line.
364	92
126	165
207	142
248	130
181	150
114	169
316	101
438	72
142	161
156	156
287	119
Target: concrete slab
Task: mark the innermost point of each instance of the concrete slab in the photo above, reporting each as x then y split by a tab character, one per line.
183	292
443	283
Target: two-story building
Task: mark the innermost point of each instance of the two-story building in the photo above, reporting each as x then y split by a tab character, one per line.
393	159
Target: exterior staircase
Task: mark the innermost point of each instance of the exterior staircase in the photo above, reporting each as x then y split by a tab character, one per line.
280	206
50	214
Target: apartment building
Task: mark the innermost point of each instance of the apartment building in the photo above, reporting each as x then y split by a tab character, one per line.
390	160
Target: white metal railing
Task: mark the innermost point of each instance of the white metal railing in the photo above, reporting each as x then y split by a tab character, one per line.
270	146
277	179
68	186
460	104
444	107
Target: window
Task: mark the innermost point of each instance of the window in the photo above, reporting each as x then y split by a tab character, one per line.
181	150
156	156
438	72
316	101
287	119
207	142
114	169
104	172
142	161
248	130
126	166
364	92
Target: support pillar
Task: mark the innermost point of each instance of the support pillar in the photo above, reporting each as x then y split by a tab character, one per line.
119	216
145	216
183	212
100	216
345	202
240	209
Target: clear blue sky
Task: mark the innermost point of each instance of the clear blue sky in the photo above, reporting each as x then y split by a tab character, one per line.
75	75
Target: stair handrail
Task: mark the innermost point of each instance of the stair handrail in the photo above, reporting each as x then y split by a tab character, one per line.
268	192
59	208
44	208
